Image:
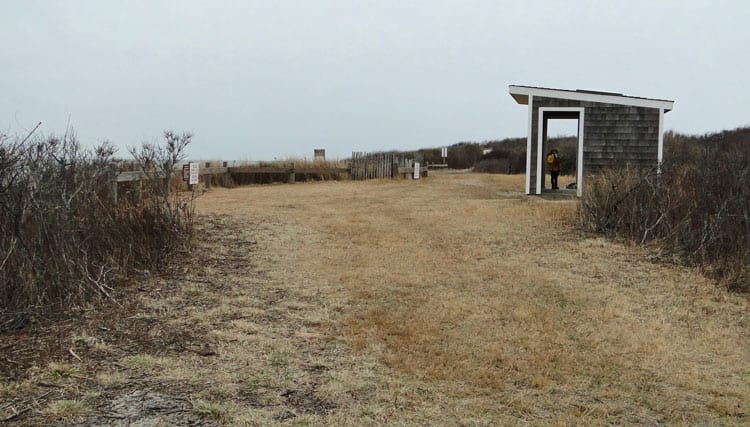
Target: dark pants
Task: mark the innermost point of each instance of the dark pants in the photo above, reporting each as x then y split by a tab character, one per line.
554	175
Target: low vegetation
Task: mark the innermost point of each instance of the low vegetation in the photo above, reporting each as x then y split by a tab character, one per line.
697	207
64	240
506	156
453	300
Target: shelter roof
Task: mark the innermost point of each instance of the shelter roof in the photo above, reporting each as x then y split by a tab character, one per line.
521	95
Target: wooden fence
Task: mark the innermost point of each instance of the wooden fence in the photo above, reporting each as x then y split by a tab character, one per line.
363	166
380	166
223	176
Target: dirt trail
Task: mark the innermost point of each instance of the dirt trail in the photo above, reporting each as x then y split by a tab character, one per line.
454	300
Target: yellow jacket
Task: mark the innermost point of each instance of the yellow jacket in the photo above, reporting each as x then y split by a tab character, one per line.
554	162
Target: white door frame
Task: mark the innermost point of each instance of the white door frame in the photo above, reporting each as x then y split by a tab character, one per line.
540	146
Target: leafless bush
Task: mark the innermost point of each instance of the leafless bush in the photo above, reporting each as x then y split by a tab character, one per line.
501	165
509	155
510	159
62	240
462	155
698	208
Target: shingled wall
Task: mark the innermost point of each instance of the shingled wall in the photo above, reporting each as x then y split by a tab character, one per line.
614	135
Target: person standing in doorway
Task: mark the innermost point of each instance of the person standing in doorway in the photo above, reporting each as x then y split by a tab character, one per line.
553	162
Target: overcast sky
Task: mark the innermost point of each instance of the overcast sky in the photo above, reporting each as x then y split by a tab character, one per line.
263	79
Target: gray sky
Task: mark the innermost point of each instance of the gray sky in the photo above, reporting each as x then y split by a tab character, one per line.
262	79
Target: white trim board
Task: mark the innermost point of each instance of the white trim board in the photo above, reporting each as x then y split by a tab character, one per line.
660	155
539	150
522	94
528	147
579	164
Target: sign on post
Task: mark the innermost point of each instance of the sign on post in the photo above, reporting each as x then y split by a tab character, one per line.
444	152
186	172
416	170
194	177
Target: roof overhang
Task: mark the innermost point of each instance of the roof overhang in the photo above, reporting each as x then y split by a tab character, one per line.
521	95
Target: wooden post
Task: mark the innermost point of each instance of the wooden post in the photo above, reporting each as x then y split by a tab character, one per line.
167	184
225	176
113	188
291	174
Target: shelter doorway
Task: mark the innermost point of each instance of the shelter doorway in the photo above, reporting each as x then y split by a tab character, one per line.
550	120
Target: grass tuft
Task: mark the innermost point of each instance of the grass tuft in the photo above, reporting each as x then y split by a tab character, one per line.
57	371
67	410
216	411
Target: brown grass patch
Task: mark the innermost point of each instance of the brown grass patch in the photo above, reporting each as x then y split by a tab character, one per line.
493	304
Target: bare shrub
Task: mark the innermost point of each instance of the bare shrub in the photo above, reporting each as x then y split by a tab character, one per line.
500	165
462	155
509	155
698	208
63	240
623	201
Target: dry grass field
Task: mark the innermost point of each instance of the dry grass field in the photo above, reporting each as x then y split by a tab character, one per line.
454	300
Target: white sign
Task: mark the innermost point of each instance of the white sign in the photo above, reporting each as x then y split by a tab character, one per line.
416	170
194	174
444	152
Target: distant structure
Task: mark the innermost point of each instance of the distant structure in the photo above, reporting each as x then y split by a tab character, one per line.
320	154
613	129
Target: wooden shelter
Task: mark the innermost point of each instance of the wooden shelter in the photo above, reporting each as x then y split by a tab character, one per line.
613	129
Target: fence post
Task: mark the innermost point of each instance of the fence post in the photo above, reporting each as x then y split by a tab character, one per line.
139	190
207	180
167	183
113	187
291	174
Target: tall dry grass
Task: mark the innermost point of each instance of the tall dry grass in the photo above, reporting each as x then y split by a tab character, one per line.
305	162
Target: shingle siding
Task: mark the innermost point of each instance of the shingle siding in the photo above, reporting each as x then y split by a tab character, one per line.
614	135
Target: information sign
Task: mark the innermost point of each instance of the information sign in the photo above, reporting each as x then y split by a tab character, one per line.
194	174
